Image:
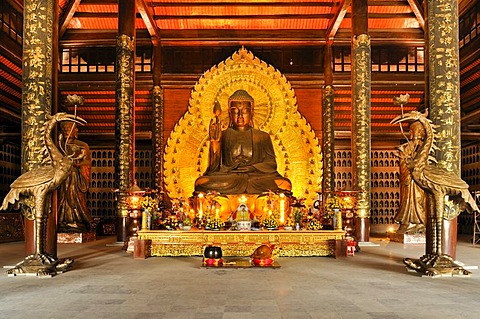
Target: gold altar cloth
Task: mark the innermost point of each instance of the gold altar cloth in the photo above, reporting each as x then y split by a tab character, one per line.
241	243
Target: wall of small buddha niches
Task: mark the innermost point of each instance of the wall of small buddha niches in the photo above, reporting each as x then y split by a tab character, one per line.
10	159
101	195
471	175
385	185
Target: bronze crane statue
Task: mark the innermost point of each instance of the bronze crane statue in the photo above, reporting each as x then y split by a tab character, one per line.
438	183
40	183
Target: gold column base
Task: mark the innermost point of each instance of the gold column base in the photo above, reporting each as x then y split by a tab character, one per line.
40	265
433	265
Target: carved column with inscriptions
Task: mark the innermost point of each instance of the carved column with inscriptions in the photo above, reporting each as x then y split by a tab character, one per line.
125	112
328	128
443	94
39	38
361	133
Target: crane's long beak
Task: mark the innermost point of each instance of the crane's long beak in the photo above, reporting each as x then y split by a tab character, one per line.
400	119
72	118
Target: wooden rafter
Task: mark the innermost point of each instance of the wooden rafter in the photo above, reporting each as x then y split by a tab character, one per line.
335	22
241	4
243	16
471	117
418	11
147	16
67	17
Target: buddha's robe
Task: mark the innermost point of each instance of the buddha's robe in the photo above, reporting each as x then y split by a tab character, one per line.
243	164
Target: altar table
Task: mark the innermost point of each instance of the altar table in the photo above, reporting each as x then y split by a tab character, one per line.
243	243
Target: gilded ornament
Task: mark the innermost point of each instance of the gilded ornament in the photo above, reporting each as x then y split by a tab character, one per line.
296	147
39	183
438	184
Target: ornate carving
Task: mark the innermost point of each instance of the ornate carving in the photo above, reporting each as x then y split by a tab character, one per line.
192	243
328	138
158	113
444	80
40	183
361	78
37	78
438	183
361	40
125	86
297	151
11	227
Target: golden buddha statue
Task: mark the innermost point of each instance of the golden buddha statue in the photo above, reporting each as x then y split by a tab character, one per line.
242	158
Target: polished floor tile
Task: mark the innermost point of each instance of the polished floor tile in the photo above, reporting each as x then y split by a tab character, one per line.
106	282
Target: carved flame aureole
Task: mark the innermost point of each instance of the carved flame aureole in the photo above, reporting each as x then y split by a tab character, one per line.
296	147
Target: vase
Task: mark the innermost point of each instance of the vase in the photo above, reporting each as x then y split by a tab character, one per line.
297	226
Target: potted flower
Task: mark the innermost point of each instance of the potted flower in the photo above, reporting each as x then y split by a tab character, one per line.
297	217
187	223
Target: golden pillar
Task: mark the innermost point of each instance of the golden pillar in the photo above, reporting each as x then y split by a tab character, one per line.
444	95
39	38
158	117
158	138
328	127
125	112
360	141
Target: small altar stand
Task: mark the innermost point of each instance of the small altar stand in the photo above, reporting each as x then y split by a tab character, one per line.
243	243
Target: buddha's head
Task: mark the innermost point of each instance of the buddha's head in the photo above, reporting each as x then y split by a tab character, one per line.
240	110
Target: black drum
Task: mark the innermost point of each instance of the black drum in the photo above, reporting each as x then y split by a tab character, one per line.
213	252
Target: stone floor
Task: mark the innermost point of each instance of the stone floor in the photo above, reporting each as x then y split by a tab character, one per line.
106	282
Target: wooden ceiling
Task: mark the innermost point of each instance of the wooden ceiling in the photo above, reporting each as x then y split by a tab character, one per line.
221	23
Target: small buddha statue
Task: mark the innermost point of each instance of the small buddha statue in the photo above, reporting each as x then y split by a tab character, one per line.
242	158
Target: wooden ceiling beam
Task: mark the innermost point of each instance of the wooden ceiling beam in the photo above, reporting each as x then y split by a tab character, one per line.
11	49
243	16
67	16
147	16
11	72
12	115
13	87
100	2
471	117
338	15
418	11
236	4
372	16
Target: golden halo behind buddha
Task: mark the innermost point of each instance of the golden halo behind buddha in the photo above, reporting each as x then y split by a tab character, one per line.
297	150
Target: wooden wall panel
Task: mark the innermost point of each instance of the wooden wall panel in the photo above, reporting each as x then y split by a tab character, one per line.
175	105
310	106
